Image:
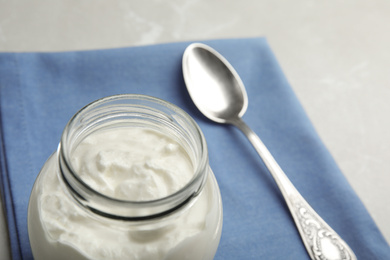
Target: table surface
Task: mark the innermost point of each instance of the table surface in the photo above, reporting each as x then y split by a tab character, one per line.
334	53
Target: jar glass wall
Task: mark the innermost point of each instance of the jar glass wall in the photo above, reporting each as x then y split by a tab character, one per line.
71	217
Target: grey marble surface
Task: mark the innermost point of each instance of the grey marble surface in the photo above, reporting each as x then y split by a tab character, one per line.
334	53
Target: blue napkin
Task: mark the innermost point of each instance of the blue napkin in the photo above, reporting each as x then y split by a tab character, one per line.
39	92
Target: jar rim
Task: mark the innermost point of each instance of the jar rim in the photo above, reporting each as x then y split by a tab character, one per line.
122	209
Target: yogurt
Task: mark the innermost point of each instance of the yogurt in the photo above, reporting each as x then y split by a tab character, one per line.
136	164
132	164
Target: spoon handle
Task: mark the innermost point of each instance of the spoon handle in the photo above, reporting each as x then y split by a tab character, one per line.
320	240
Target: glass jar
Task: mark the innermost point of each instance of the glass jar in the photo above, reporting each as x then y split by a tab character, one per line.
68	218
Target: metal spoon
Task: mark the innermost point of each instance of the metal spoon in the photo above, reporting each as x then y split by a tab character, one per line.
220	95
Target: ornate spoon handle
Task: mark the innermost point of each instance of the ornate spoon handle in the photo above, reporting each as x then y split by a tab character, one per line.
320	240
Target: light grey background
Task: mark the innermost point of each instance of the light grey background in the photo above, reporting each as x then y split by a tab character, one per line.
334	53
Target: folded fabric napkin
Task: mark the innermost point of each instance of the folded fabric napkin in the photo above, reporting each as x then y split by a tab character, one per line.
39	93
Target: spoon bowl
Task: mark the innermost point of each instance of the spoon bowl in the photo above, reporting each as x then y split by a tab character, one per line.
213	84
218	92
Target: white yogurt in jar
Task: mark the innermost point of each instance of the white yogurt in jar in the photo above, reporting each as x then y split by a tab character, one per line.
134	164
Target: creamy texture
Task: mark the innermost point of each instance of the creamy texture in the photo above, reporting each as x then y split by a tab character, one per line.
130	164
